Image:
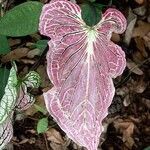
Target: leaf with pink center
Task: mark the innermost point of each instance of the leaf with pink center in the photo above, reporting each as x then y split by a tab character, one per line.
25	99
81	63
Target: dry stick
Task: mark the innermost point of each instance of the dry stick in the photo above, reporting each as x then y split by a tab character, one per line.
35	66
138	65
46	143
3	5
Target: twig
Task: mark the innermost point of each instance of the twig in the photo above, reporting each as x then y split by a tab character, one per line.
46	143
138	65
35	66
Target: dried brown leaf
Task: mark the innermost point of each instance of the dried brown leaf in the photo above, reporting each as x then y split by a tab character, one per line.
54	136
126	101
13	42
140	86
146	102
33	53
15	55
139	1
127	129
140	10
141	46
56	146
138	58
133	67
27	61
131	23
142	29
147	40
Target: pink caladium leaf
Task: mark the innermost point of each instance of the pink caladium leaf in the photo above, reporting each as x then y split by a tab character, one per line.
81	63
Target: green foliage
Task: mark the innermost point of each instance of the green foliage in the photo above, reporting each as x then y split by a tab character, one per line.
92	0
91	13
147	148
41	45
21	20
4	74
42	125
4	45
40	109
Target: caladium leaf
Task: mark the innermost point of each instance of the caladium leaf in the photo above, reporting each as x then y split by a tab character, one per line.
6	132
81	63
16	97
8	101
32	79
25	99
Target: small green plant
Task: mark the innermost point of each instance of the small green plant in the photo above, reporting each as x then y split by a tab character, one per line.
42	125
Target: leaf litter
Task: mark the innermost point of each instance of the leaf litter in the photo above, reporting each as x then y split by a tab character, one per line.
130	128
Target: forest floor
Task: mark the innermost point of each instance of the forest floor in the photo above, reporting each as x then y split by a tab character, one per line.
127	127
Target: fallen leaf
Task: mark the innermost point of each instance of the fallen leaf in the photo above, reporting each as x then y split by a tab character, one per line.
126	101
29	44
139	1
35	36
33	53
147	40
138	58
54	136
32	140
27	61
131	23
142	29
146	102
122	91
127	129
23	141
32	131
56	146
141	46
15	55
133	67
13	42
140	86
140	10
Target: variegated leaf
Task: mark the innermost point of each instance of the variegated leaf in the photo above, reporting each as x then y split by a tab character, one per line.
11	100
25	99
32	79
6	132
8	101
81	63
